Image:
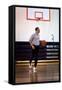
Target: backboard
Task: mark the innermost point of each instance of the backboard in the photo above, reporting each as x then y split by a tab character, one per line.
38	14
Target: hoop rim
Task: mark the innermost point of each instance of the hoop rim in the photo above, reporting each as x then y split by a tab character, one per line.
38	18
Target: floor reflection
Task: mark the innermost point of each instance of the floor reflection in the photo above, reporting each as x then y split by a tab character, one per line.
45	72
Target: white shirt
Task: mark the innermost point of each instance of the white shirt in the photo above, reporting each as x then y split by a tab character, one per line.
35	39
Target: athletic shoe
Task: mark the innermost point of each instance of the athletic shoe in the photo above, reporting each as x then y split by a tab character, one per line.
30	66
34	69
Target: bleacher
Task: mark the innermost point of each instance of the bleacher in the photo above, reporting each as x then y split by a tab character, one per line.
49	52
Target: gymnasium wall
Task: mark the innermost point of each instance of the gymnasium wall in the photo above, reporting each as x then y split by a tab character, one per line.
25	28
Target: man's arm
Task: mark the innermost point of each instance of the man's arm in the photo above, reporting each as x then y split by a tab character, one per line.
30	41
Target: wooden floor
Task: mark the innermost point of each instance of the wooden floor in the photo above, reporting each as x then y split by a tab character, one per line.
46	71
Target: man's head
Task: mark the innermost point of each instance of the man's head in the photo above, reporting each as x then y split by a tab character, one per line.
37	30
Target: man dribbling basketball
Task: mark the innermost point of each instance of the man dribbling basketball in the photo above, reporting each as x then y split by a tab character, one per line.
35	42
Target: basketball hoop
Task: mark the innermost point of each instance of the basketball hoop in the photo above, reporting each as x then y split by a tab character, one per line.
38	19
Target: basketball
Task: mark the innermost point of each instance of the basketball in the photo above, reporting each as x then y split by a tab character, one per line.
43	43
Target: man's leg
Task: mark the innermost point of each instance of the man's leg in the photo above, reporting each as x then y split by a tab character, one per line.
35	59
31	60
33	53
36	56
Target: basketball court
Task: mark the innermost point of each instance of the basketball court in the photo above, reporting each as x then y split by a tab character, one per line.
46	71
49	60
